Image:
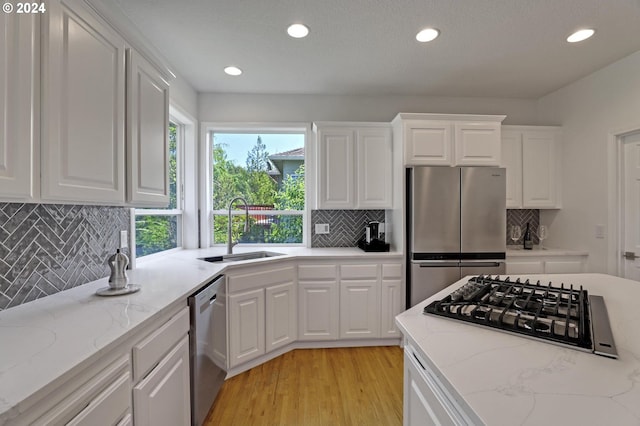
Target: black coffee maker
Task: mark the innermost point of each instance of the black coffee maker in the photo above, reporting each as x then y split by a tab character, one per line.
373	239
372	232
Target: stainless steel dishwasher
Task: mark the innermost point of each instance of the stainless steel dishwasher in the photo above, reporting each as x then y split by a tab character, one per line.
207	346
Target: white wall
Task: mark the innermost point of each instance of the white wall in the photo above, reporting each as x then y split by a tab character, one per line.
589	110
184	96
221	107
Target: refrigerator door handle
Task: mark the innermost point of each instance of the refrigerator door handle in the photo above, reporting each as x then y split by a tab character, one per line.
436	264
480	264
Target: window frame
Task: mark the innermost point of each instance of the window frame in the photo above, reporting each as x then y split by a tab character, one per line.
186	199
207	213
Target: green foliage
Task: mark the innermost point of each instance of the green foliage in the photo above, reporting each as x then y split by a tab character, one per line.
258	157
259	188
291	195
155	233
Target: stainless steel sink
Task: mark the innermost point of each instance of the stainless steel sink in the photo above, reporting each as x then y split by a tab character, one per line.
241	256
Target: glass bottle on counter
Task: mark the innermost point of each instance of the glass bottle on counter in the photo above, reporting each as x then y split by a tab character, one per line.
528	242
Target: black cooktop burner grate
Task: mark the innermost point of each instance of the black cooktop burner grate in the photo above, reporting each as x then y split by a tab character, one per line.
557	314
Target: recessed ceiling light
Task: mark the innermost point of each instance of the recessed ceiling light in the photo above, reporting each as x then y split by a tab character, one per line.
298	30
427	34
233	70
581	35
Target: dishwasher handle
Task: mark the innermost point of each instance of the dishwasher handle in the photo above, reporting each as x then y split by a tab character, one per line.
208	294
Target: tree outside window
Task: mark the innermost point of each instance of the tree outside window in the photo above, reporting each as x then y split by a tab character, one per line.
274	192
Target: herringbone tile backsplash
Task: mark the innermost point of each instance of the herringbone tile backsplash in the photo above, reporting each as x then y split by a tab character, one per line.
47	248
346	227
521	217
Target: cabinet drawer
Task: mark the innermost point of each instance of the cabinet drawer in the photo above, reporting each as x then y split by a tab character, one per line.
392	270
103	399
150	350
110	406
259	279
359	271
317	272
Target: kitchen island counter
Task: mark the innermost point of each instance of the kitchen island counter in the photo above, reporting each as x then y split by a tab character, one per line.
504	379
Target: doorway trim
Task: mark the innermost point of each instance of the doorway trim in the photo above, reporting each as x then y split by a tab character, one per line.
616	198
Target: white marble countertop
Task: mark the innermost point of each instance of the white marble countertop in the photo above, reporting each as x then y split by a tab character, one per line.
511	380
518	251
44	341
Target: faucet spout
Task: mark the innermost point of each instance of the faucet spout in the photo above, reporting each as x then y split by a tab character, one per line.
230	243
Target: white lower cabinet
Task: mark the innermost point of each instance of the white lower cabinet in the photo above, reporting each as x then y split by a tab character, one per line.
359	309
359	301
318	310
544	264
163	397
391	302
262	305
281	311
349	301
246	326
426	401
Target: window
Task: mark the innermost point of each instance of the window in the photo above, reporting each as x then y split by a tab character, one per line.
267	169
161	229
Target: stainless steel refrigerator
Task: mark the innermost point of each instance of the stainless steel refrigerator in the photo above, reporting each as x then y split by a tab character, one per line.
457	226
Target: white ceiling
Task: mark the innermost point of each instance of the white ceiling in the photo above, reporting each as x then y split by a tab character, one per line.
487	48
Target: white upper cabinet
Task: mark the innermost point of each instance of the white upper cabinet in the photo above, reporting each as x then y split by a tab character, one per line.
449	139
427	142
147	134
353	165
532	157
512	161
373	155
83	107
477	143
19	75
336	168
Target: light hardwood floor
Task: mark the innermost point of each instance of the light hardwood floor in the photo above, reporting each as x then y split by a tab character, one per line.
307	387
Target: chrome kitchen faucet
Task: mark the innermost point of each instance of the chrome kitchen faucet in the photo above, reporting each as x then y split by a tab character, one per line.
230	243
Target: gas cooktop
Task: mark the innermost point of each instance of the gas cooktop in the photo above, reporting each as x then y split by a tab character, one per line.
565	316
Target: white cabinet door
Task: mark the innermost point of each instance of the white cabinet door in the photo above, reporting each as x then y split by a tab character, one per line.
281	315
359	309
147	134
390	305
539	178
336	166
246	326
373	154
477	144
422	404
163	397
19	77
512	161
428	143
318	310
83	105
525	267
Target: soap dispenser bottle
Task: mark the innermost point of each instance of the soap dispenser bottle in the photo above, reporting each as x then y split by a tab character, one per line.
118	263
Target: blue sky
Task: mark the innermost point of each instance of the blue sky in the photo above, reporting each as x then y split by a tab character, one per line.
239	144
